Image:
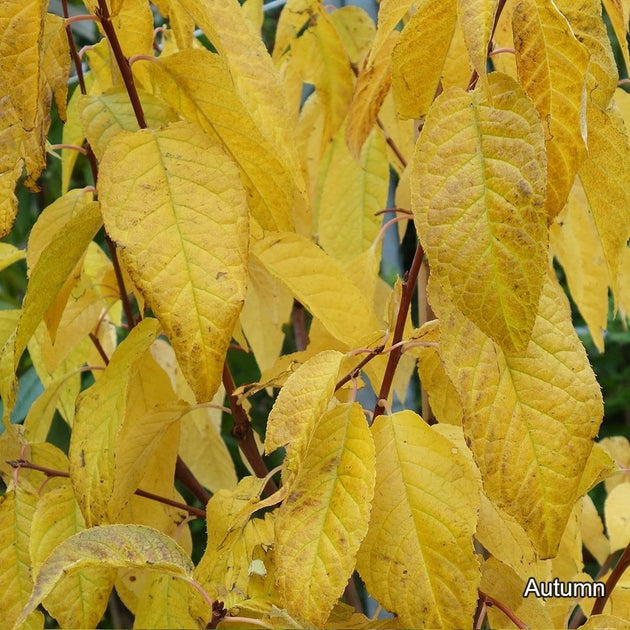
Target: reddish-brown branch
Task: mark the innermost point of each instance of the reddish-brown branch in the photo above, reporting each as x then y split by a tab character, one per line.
359	366
408	286
298	319
73	49
50	472
491	601
243	433
99	348
185	475
123	63
124	295
613	578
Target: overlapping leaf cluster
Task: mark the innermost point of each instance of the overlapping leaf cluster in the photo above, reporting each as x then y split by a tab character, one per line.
230	203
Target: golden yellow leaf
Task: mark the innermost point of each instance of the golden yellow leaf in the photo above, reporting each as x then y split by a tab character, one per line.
55	62
418	541
100	413
267	308
79	600
163	603
106	114
301	401
319	283
352	192
478	186
198	84
624	281
592	530
356	30
599	467
477	19
578	248
372	86
116	546
390	13
253	10
180	22
530	416
605	177
255	78
552	67
183	236
55	263
585	18
9	254
617	514
619	12
17	506
419	57
618	448
321	524
604	621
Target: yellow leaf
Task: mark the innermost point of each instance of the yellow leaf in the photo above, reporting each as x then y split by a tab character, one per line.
578	248
319	283
352	192
585	18
9	254
79	600
55	62
530	416
478	188
356	30
198	84
163	603
300	403
267	308
55	264
106	114
115	546
255	78
552	67
419	57
618	12
17	506
401	132
477	19
183	236
599	467
373	83
617	514
592	530
624	282
100	412
604	621
322	522
179	21
605	177
418	541
618	448
390	13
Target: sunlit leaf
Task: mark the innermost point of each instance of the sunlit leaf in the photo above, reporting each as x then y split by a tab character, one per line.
477	19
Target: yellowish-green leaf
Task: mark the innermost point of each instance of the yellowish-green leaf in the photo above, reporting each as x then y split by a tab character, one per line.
419	57
116	546
199	85
604	621
54	265
319	283
617	514
106	114
325	517
477	20
300	403
352	192
183	235
17	506
163	603
552	67
55	61
100	412
605	177
577	246
419	540
9	254
79	600
478	189
530	416
619	12
585	18
372	86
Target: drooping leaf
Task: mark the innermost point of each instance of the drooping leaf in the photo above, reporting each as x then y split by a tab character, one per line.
530	416
478	200
417	558
477	19
116	546
552	67
183	235
322	522
619	12
163	603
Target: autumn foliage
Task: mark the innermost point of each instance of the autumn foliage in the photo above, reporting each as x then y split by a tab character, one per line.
227	201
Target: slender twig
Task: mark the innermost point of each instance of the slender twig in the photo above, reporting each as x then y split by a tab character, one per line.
81	18
298	320
99	348
400	210
72	147
123	64
16	464
243	433
359	366
408	286
491	601
73	48
124	296
615	575
392	144
186	476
